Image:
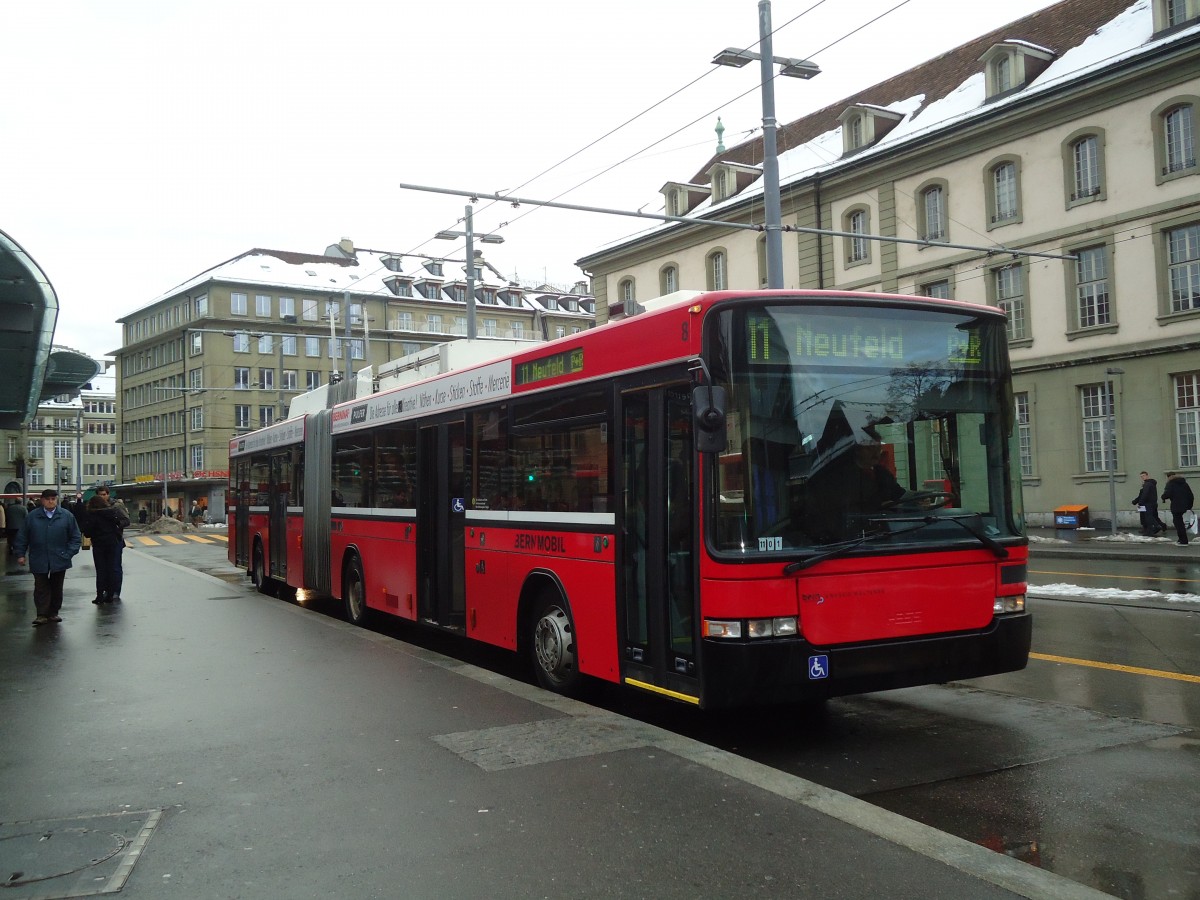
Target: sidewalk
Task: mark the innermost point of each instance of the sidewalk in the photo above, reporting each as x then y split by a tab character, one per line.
201	740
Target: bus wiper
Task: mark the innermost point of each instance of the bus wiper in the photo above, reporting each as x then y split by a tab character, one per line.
998	549
846	546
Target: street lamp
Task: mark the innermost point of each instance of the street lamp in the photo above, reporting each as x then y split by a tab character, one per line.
792	68
1112	444
469	234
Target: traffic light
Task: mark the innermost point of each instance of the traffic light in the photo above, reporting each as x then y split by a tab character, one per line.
20	467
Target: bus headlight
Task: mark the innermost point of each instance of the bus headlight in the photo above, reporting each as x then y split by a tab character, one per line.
1013	604
783	626
722	628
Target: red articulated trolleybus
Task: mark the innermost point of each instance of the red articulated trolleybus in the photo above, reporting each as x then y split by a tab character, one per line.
732	498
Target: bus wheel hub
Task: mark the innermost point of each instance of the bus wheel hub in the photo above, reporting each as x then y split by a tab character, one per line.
553	643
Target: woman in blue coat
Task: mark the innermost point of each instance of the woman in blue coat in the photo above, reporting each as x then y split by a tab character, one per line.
49	539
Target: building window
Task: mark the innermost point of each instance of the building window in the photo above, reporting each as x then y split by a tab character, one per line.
312	346
309	310
715	273
854	133
560	331
287	307
197	342
1091	287
1187	418
200	307
489	327
938	289
197	457
1097	410
312	380
1085	156
518	330
262	305
858	248
720	185
933	219
433	323
266	343
290	379
404	322
1180	140
237	304
669	279
266	379
266	415
195	379
356	349
197	417
241	343
1004	194
1024	433
1009	293
1175	139
241	415
1183	267
241	378
626	292
1002	74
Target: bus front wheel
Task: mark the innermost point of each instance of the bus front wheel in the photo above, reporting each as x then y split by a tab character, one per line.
552	646
354	591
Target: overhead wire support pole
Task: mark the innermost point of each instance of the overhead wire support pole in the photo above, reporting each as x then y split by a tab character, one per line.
692	220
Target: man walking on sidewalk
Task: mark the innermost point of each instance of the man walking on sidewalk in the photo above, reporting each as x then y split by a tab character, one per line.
50	537
1147	504
1179	495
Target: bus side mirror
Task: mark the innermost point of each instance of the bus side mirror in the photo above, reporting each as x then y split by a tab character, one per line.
708	415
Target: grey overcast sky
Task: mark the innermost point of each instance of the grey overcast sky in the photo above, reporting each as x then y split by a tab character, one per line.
145	141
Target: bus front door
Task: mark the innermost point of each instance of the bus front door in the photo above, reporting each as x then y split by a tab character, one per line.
281	479
659	602
441	520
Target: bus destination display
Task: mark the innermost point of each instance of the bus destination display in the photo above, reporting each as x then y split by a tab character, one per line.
569	362
850	341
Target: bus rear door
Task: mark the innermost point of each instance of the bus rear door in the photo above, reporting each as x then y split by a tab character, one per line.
657	548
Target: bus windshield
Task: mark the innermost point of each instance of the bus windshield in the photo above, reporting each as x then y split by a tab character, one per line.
859	423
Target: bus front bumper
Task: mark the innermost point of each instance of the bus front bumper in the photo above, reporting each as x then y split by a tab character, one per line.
774	671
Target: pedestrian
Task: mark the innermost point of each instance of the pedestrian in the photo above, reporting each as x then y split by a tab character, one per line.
143	515
1179	495
194	513
4	522
1147	505
49	539
107	522
15	519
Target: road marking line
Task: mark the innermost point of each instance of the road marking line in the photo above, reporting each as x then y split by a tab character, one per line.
1130	577
172	540
1132	670
198	539
149	542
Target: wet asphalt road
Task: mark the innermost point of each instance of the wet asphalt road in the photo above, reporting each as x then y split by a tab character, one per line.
1085	764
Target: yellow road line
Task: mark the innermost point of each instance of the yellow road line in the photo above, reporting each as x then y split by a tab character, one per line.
198	539
1132	670
218	537
171	540
1130	577
147	541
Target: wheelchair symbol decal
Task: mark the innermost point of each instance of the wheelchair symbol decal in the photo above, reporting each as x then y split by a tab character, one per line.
818	667
457	505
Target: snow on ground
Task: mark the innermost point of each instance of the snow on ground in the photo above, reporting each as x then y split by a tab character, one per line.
1070	591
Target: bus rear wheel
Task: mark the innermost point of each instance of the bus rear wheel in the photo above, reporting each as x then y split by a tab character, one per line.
354	591
552	646
258	572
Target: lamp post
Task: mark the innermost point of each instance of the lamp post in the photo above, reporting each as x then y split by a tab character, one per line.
469	234
792	68
1112	445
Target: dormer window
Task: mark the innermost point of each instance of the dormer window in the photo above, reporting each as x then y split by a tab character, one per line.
392	263
1174	13
1011	65
549	302
720	185
679	199
399	285
864	125
433	267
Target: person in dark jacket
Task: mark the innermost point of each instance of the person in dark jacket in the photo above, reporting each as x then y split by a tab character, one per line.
49	539
1147	503
106	524
1179	494
14	521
